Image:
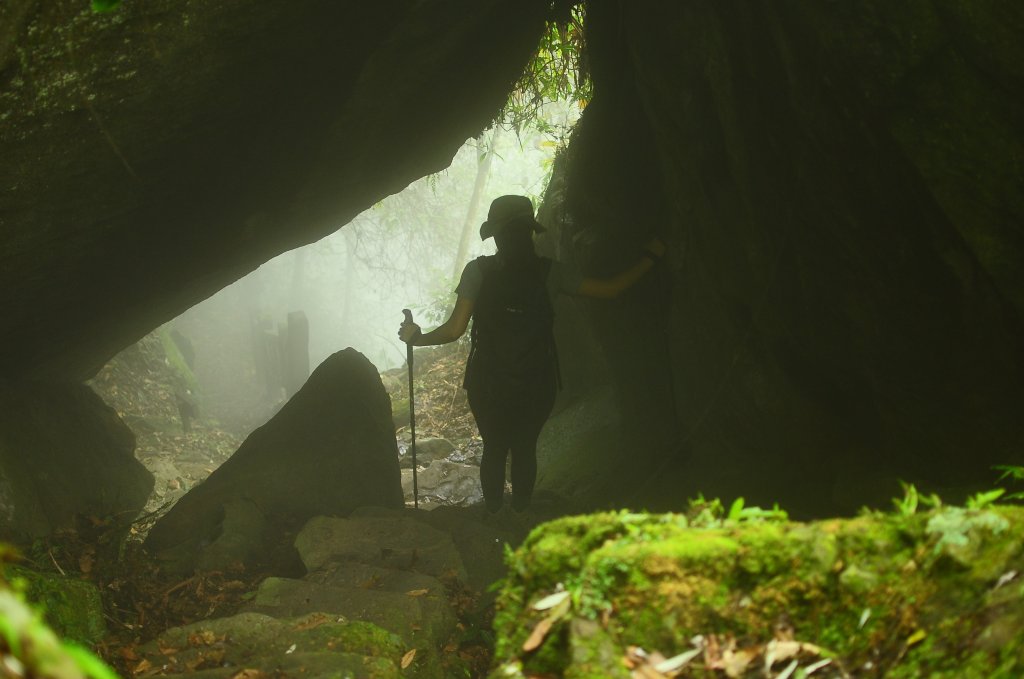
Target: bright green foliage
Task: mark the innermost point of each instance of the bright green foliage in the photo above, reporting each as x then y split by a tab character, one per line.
105	5
71	606
28	643
984	499
556	72
920	593
912	499
711	513
1014	473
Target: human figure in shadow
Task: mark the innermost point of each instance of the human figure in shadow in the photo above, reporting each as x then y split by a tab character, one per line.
512	373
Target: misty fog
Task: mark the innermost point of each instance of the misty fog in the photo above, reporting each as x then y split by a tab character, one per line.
404	252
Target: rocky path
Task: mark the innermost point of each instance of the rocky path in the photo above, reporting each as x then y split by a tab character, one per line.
385	593
379	593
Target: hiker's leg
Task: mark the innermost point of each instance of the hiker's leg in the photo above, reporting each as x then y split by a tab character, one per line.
493	431
524	470
492	473
524	444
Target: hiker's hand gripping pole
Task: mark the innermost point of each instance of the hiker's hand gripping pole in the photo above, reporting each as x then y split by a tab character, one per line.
412	414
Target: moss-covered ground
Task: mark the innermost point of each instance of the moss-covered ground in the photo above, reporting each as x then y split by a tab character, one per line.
929	594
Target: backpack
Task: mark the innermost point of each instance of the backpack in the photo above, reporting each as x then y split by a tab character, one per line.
513	343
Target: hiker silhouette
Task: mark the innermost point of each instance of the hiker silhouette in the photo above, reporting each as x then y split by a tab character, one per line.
512	373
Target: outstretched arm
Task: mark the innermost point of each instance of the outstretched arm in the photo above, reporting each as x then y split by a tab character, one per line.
610	288
449	331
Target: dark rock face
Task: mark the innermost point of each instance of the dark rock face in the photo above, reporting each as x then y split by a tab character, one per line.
64	454
840	186
330	449
154	154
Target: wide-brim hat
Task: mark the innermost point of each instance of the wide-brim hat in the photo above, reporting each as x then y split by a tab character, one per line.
505	210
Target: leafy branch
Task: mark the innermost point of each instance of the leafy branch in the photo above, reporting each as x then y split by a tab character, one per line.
558	71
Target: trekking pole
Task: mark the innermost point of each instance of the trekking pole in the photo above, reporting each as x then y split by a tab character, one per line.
412	417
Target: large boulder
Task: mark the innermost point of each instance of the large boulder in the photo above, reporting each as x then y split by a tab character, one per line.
330	449
392	541
64	454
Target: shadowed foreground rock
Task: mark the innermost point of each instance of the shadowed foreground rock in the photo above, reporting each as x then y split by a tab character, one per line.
384	595
310	646
330	449
63	453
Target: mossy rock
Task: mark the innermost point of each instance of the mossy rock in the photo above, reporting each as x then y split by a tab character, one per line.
927	595
316	645
73	608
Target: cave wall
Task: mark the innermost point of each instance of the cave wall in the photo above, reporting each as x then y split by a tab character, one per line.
154	154
840	186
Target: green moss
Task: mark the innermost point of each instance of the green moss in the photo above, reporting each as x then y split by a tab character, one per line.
356	636
893	590
72	607
28	642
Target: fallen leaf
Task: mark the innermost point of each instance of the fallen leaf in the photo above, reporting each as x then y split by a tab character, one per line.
1005	578
314	620
250	674
418	592
787	672
202	638
142	666
167	650
544	626
408	658
536	637
291	649
735	663
648	672
814	667
678	662
778	651
550	601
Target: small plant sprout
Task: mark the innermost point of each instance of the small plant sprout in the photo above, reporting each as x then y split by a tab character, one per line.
982	500
1014	473
907	505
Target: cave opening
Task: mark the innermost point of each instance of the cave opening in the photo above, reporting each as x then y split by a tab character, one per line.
802	420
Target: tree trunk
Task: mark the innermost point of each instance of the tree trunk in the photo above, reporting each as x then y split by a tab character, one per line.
483	171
